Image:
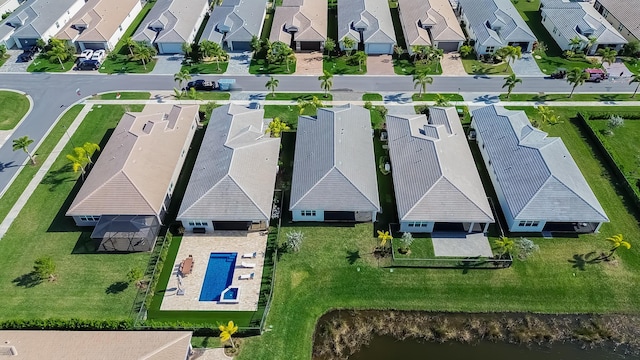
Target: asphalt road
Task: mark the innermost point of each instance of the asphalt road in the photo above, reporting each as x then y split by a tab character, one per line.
54	93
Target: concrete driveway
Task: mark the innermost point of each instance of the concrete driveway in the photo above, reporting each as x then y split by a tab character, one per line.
451	64
526	66
12	64
380	65
239	63
617	70
309	63
168	64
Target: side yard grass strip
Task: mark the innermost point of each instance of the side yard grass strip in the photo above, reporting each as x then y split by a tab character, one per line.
13	107
125	95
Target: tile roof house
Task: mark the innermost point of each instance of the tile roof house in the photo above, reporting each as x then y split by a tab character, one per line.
302	23
623	15
538	184
566	20
334	170
95	345
99	24
37	19
138	168
494	24
233	179
369	22
170	23
436	182
430	22
235	22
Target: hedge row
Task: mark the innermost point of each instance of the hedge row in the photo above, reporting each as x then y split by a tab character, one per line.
66	324
599	115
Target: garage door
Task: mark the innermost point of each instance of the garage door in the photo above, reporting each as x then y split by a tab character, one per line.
170	48
231	225
26	43
378	49
241	46
310	45
93	45
448	46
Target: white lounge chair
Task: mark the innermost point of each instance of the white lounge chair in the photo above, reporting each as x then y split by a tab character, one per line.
250	255
247	276
247	265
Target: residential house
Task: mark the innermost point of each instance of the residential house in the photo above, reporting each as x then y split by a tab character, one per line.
430	23
302	24
95	345
234	23
136	173
99	24
566	20
232	183
436	182
7	6
494	24
37	19
368	23
538	184
334	170
623	15
171	23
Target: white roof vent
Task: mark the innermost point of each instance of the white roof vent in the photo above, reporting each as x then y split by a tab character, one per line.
8	351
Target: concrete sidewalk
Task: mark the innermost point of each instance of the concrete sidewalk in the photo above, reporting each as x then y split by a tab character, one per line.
44	169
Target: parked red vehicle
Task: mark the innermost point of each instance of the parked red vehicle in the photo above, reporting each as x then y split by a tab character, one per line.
596	75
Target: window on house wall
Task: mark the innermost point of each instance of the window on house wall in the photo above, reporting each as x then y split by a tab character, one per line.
620	27
57	25
89	218
198	223
555	30
120	27
491	49
308	213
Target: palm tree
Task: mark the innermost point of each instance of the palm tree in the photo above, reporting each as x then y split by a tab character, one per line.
180	77
465	50
635	79
22	143
90	149
326	82
590	42
330	46
130	43
60	53
547	115
576	77
313	104
510	82
504	244
384	236
617	241
78	160
186	48
348	44
360	57
226	331
421	79
272	84
144	53
291	57
255	44
398	50
509	54
434	54
219	53
608	55
575	43
442	101
207	48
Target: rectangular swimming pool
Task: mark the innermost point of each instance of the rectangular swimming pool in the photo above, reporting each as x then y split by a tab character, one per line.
219	275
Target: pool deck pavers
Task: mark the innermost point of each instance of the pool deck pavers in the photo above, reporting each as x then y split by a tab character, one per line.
200	246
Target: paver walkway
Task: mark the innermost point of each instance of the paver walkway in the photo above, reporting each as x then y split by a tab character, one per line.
451	64
211	354
308	63
526	66
44	169
239	63
380	65
168	64
12	64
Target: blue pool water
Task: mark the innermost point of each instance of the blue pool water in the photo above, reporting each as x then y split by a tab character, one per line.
219	275
231	294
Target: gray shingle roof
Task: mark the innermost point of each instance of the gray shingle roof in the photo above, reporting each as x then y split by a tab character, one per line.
434	174
569	17
36	16
178	18
627	12
334	167
437	14
373	15
235	171
499	14
539	178
240	18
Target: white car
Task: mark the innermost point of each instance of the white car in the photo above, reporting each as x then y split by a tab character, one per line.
86	55
98	55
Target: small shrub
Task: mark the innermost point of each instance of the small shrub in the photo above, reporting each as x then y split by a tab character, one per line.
406	240
524	248
135	276
294	240
45	268
368	105
381	110
615	122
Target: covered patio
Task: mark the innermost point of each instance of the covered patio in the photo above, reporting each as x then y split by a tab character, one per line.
126	233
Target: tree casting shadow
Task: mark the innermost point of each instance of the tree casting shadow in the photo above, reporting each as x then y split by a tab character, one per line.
117	287
352	256
580	261
28	280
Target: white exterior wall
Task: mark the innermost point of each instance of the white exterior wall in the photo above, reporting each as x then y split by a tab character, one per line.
196	26
124	26
515	226
9	6
80	222
404	227
297	216
183	156
559	39
189	228
615	23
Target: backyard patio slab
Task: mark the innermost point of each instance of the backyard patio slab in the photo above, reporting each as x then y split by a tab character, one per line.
200	246
461	244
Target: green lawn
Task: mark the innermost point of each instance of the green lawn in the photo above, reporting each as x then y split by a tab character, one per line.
4	59
421	248
552	59
565	97
260	66
477	67
376	118
434	96
338	261
211	95
206	68
13	107
88	285
42	152
632	64
298	96
287	113
406	66
125	95
43	64
371	97
122	64
340	65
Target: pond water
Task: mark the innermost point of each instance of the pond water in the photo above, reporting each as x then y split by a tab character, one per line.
384	347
